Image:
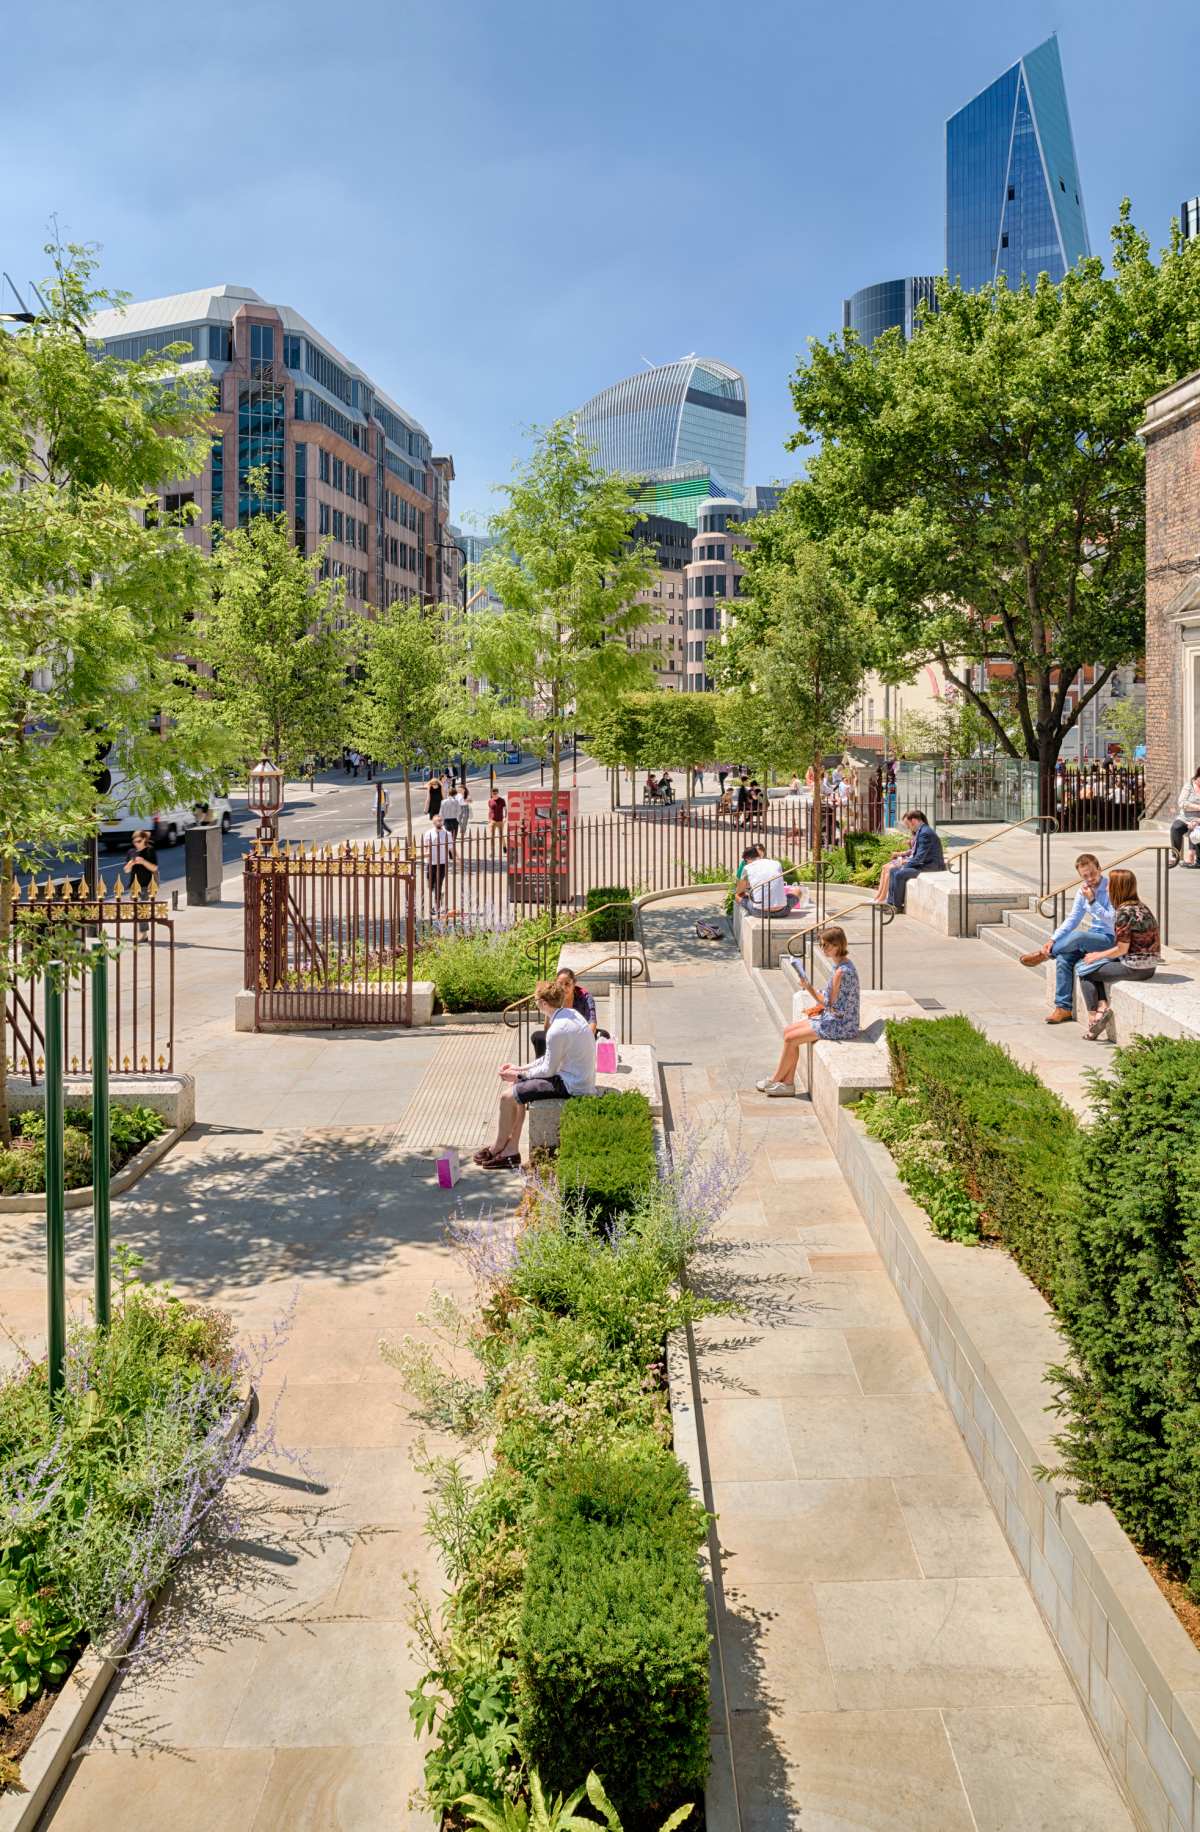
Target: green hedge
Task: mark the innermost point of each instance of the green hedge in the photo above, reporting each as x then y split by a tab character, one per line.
1129	1300
606	1151
481	972
609	925
23	1163
613	1635
1012	1139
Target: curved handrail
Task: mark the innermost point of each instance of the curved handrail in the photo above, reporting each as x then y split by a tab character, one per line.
1155	846
1047	823
634	961
534	948
822	922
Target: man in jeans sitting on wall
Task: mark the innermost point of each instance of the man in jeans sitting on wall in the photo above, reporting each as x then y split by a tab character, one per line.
1088	927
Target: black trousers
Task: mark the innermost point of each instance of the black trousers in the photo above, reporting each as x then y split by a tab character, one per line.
1179	835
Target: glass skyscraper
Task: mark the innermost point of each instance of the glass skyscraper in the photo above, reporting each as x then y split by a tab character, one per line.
692	412
1014	205
875	309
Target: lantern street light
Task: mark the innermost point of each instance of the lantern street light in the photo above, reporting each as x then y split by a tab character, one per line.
266	796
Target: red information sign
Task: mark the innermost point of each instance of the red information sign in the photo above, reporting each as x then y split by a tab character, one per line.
529	847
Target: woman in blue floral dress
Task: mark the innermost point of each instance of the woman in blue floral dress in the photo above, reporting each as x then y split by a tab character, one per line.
834	1018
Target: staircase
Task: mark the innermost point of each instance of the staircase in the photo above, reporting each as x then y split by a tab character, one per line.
1018	933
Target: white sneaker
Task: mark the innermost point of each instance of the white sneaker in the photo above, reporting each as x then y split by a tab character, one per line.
764	1084
780	1090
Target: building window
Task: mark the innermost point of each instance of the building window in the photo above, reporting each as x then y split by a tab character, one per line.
1004	241
362	488
324	465
216	388
339	475
1012	192
262	348
261	428
351	482
220	343
323	518
300	514
339	525
362	537
291	351
218	479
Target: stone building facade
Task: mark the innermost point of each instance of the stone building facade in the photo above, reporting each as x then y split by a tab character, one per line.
1172	437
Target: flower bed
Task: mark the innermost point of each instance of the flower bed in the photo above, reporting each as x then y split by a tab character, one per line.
23	1163
484	971
102	1493
1105	1218
574	1632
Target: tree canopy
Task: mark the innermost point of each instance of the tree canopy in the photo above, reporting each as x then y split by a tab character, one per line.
397	710
981	488
674	731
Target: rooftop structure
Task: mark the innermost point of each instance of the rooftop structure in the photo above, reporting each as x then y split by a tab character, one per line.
688	412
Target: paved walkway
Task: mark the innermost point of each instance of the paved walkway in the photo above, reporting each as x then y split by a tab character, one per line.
886	1665
289	1713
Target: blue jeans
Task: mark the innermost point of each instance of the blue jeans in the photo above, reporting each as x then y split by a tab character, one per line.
1066	955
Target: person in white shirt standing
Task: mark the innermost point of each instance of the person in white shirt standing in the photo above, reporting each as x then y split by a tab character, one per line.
568	1068
451	808
439	850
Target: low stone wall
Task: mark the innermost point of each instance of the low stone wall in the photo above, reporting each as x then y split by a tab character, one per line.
933	898
989	1337
243	1011
174	1096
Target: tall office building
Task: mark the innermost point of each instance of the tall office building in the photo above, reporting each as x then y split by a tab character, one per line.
1189	217
692	412
1014	205
890	303
342	459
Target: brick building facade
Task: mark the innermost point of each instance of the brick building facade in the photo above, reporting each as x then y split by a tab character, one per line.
343	462
1172	437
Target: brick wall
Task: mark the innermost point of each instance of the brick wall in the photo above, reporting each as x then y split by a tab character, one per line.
1172	436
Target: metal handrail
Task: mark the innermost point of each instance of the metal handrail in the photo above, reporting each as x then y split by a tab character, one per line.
881	915
538	944
1162	882
958	864
633	961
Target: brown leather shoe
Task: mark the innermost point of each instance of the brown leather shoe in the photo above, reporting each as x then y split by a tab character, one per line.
1059	1016
1035	959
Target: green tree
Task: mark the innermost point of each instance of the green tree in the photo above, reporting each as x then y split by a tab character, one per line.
96	598
981	488
279	641
397	709
567	571
796	656
1125	723
661	729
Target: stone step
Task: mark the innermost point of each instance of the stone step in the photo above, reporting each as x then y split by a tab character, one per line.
1028	924
1002	940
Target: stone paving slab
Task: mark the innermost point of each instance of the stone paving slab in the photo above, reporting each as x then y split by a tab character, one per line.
874	1620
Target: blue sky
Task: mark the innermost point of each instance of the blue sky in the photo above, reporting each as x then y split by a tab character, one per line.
498	209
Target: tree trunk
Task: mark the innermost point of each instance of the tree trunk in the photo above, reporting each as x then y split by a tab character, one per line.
554	849
7	868
408	805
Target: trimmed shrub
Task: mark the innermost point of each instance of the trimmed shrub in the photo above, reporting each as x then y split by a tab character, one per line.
23	1163
481	972
613	1635
1129	1300
606	1151
1012	1140
924	1164
609	925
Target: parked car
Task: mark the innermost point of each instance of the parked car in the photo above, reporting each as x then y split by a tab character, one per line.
168	825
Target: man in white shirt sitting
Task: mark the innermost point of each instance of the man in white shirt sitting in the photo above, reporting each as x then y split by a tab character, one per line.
760	889
568	1068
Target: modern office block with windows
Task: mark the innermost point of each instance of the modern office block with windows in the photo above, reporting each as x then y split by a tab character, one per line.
691	412
713	580
1189	217
337	456
1014	203
889	304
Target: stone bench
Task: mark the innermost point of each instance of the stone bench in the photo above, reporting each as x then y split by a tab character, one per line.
636	1073
763	940
1166	1006
933	898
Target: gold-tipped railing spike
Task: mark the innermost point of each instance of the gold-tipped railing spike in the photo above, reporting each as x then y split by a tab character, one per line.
126	1065
83	893
145	1062
162	1062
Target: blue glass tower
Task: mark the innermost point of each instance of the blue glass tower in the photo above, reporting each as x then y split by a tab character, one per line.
1014	205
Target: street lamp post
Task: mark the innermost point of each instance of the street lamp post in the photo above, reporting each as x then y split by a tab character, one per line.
265	795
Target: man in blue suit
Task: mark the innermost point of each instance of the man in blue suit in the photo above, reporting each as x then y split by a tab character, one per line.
924	854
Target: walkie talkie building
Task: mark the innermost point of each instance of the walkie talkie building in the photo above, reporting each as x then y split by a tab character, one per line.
684	413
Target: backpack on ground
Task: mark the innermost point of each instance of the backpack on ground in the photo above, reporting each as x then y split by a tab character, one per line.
710	929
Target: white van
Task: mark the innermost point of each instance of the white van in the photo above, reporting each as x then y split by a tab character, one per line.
167	825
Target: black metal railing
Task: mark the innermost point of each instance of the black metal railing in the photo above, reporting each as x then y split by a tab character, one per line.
959	863
1165	861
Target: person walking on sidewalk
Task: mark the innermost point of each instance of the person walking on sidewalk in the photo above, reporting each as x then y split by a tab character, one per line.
451	808
832	1018
497	815
1135	953
433	798
439	851
383	802
1088	926
464	809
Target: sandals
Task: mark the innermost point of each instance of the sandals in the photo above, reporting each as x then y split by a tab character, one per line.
1098	1025
512	1163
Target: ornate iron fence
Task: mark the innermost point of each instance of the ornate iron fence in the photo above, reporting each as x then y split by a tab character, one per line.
140	938
330	933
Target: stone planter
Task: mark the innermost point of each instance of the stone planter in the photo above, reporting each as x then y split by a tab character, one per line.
44	1762
31	1203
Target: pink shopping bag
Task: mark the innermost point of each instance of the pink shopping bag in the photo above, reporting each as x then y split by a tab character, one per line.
447	1169
606	1056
